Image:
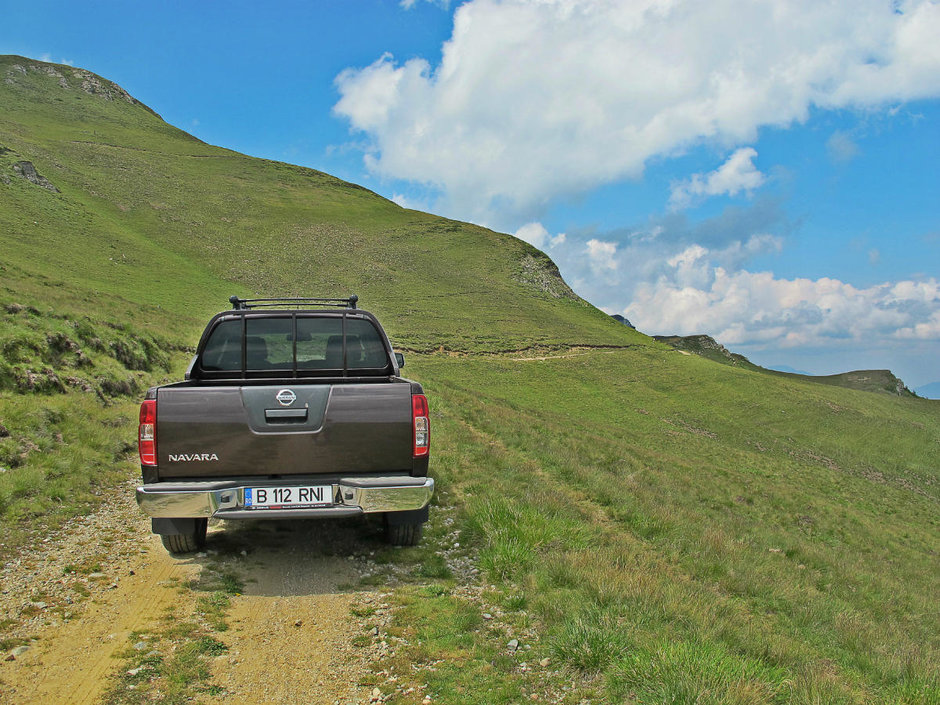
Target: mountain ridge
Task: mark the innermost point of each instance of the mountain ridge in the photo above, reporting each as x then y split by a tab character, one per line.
89	82
882	381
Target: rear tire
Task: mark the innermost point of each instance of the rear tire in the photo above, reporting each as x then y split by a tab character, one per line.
187	543
404	534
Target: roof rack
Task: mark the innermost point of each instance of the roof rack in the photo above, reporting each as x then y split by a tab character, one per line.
248	304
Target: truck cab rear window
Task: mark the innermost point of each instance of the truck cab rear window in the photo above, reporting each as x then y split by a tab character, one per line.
307	344
223	350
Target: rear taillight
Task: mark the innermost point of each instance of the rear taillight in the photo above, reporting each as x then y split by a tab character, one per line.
422	425
147	433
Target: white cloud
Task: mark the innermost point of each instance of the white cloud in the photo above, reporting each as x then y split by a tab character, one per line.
735	175
408	202
534	100
924	330
685	278
694	295
924	292
665	246
601	255
536	235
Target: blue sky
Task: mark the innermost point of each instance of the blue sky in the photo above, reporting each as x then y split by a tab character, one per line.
765	175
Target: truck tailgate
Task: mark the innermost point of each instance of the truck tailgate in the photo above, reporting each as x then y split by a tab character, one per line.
283	429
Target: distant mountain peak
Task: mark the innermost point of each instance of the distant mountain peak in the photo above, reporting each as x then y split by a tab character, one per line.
20	72
883	381
703	345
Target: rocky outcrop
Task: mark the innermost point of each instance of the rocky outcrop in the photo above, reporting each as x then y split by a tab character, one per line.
68	78
621	319
703	345
539	272
95	85
27	171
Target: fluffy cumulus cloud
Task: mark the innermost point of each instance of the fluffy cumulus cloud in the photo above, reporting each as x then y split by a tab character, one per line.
681	277
601	255
535	234
694	294
923	330
735	175
544	98
607	267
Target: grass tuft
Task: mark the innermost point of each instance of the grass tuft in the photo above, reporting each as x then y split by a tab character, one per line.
591	640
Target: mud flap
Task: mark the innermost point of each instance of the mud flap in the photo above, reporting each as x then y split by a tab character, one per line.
173	526
415	516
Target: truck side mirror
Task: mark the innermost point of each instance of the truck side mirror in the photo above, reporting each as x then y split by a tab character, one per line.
400	359
189	370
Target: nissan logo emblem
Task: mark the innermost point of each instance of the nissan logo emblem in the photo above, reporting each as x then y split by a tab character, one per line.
286	397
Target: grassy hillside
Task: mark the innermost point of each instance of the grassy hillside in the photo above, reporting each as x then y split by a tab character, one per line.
681	531
147	213
659	527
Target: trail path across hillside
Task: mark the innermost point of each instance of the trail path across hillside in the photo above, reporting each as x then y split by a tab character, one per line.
291	632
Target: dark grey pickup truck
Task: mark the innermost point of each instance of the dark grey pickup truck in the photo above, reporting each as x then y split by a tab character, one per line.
291	408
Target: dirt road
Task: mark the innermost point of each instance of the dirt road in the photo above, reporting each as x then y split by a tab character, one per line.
79	596
70	659
292	631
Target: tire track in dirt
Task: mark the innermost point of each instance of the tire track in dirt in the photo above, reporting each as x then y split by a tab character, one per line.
291	632
71	662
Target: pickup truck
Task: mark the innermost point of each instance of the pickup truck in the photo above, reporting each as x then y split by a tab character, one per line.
291	408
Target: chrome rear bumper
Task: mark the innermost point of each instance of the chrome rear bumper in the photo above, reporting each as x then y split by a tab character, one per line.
225	499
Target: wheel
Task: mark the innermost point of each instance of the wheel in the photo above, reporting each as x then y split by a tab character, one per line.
404	534
186	543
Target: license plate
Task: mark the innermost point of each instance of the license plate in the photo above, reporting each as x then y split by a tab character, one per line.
288	497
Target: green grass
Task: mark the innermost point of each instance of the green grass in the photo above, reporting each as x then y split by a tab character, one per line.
172	678
467	667
70	386
698	529
218	585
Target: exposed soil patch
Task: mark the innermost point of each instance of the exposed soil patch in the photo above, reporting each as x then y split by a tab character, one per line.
70	604
293	630
75	599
